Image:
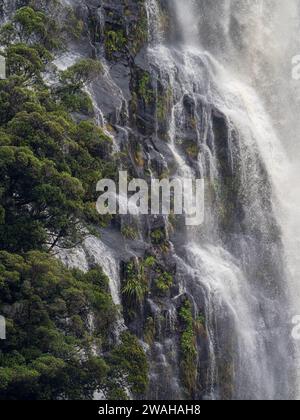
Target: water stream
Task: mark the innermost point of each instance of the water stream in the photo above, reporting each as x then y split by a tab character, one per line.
218	64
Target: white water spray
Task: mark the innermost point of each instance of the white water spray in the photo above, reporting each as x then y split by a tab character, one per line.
226	57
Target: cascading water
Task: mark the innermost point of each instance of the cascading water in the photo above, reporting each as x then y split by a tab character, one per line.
220	73
215	66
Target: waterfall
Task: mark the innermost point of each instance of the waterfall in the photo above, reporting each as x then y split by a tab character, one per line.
224	110
217	66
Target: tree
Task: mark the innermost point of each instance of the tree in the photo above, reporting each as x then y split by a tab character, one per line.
24	61
49	354
59	321
82	72
49	168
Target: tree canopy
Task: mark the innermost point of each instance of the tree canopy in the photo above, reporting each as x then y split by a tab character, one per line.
60	322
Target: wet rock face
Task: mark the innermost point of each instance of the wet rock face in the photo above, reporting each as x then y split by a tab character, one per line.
7	8
130	100
116	31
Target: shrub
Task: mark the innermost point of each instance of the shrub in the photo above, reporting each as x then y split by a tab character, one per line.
129	232
144	87
158	236
82	72
189	354
164	282
115	41
129	365
135	286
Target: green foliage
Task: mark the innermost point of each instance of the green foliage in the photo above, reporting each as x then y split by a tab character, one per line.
115	41
49	165
72	82
149	331
73	26
55	319
129	232
24	61
77	101
31	27
129	366
47	26
150	262
29	22
144	87
49	168
158	236
192	151
200	320
163	104
137	28
135	286
84	71
189	355
49	353
164	282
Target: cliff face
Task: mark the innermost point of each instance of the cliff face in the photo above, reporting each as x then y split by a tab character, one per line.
133	106
164	107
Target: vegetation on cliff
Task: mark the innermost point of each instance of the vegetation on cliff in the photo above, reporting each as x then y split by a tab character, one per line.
60	322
